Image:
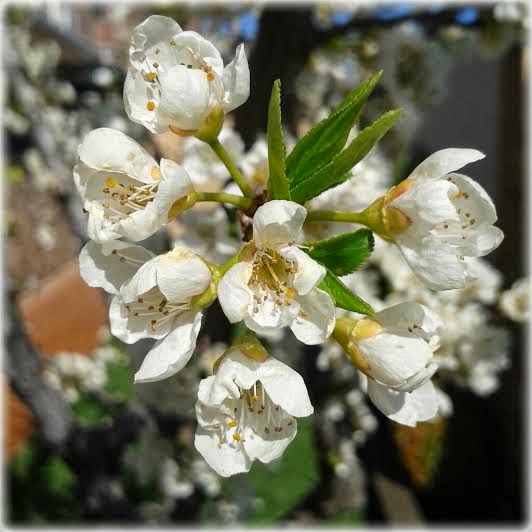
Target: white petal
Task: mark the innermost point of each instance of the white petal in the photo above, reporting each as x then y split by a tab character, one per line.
201	48
395	359
269	316
285	387
428	202
170	354
309	272
233	293
278	222
137	94
182	275
236	369
139	225
434	264
226	459
111	150
143	281
97	228
184	97
319	324
445	161
204	390
403	407
99	266
126	329
269	446
405	315
154	33
175	183
235	80
477	242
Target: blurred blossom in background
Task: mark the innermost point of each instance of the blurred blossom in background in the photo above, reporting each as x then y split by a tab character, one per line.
84	445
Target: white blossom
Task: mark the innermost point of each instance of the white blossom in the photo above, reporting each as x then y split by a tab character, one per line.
176	77
247	411
72	373
158	302
171	484
438	217
126	193
515	302
111	264
394	349
275	283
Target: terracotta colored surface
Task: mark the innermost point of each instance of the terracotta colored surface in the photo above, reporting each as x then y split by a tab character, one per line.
64	314
18	422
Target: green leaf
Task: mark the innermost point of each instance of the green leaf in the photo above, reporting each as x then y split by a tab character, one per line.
14	173
58	477
345	253
283	484
335	172
343	297
277	182
328	137
21	463
119	381
88	411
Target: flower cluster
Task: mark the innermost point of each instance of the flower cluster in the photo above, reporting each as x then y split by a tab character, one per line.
271	277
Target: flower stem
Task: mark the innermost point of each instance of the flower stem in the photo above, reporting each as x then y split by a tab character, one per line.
223	268
240	180
335	216
222	197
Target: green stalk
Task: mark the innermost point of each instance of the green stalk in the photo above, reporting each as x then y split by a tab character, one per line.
335	216
222	197
240	180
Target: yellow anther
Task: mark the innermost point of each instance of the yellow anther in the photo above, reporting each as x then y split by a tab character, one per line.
210	76
150	106
155	173
290	293
255	397
172	42
236	436
232	423
459	195
110	182
150	76
304	314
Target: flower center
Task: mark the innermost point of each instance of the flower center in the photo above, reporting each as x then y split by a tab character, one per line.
122	200
272	278
252	414
153	306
